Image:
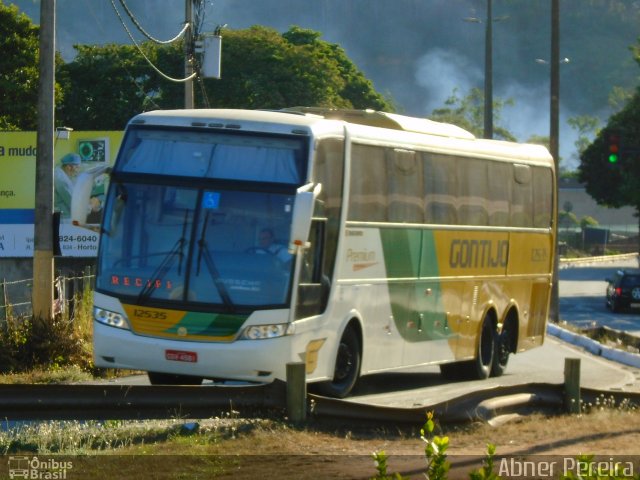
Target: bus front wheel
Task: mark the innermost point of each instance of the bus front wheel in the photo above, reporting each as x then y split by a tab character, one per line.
347	368
156	378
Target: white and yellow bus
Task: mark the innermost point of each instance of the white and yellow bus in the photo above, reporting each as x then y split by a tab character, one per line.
234	242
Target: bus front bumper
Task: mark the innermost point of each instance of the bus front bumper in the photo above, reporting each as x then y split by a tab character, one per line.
248	360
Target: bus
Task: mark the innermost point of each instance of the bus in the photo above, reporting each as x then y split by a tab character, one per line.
234	242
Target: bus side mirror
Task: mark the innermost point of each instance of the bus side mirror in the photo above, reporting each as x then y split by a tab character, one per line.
301	217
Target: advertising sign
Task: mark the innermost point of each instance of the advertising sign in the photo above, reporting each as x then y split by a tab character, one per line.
76	155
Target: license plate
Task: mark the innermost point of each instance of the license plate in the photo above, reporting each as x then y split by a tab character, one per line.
181	356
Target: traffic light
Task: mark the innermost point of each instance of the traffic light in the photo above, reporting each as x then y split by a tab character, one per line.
613	147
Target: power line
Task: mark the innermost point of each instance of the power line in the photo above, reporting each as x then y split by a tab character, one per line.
146	97
148	35
162	74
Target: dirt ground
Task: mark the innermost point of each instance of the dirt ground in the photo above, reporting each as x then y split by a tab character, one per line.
336	452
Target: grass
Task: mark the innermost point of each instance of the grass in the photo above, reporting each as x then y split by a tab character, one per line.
33	351
242	448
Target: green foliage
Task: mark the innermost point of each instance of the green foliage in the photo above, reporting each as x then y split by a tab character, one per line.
18	70
435	451
567	219
93	103
380	460
583	467
585	125
468	112
28	343
615	185
486	471
588	221
261	69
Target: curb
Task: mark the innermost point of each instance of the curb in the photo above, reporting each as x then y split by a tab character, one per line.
594	347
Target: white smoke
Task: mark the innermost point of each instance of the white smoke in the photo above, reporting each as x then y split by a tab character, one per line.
440	71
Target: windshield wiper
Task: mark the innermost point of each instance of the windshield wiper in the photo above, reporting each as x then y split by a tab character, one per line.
203	252
166	263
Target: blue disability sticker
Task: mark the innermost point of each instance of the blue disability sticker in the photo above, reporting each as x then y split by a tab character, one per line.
211	200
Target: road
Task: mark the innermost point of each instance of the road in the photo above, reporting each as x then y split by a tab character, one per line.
582	301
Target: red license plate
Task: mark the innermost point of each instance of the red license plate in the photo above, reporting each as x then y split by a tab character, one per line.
181	356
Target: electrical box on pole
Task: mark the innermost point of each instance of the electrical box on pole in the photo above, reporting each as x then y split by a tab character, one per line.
212	45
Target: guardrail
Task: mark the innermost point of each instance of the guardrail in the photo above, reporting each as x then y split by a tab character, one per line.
566	262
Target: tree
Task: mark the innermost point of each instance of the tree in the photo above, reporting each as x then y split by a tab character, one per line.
104	87
615	184
468	113
261	69
618	184
585	125
18	70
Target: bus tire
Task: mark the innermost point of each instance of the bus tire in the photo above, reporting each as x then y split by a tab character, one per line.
454	370
156	378
347	368
483	363
504	341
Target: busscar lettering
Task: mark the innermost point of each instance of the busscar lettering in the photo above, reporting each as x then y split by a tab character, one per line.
478	253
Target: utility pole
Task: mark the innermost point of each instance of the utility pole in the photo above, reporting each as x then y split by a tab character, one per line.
554	137
42	295
488	74
188	52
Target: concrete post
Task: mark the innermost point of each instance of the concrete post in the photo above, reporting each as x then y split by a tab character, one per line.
572	385
296	392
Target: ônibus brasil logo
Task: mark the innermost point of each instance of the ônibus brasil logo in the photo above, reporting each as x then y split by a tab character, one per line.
35	468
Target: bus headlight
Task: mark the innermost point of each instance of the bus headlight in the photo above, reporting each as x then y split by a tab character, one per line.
260	332
112	319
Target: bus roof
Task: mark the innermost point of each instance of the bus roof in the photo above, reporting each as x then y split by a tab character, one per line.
306	116
305	120
393	121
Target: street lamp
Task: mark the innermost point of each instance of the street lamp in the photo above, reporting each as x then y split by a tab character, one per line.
488	66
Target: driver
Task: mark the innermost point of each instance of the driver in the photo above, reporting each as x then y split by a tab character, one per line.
267	243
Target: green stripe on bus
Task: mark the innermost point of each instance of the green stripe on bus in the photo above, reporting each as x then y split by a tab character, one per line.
411	254
209	324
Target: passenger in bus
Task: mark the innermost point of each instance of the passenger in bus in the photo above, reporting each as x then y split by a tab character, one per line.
267	244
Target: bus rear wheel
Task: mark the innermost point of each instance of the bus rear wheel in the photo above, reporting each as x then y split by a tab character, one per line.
483	363
156	378
503	348
347	368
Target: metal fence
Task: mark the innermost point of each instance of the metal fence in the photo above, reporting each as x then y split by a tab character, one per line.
15	296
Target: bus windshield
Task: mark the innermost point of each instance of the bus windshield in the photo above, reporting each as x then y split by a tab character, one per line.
168	244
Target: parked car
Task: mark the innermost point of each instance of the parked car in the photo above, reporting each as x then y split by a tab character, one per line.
623	290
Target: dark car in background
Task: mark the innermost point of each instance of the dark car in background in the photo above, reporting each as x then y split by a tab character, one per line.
623	290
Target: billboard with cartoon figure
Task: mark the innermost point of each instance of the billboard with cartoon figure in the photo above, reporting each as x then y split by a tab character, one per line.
81	160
